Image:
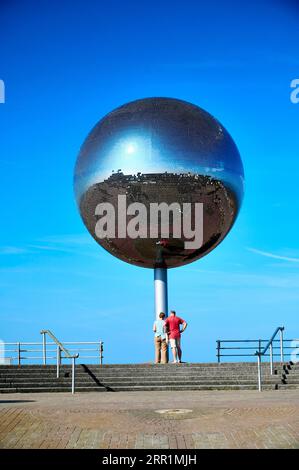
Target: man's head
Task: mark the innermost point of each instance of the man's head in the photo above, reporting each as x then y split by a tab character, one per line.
162	315
172	312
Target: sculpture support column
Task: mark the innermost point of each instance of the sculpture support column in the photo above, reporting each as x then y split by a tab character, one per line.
161	299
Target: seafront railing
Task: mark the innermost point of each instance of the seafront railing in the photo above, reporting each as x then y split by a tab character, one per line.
46	351
20	353
231	348
60	349
258	348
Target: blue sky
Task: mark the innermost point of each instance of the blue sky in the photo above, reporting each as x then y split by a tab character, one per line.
65	65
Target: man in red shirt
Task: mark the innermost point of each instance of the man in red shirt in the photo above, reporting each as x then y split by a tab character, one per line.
172	325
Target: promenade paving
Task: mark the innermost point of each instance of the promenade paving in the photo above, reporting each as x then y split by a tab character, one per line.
142	420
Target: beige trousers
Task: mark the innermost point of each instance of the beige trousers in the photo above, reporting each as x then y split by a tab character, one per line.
161	350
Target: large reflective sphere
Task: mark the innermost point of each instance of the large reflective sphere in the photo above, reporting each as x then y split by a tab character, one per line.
159	150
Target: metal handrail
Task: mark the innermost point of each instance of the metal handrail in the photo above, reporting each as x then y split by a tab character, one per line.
59	344
251	348
16	351
269	345
60	348
262	350
279	328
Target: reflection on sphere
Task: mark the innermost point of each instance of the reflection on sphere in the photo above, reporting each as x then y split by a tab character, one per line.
160	150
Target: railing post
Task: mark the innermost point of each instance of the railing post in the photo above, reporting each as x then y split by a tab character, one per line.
281	346
59	349
260	345
58	358
44	349
271	358
101	352
259	369
218	351
19	353
73	374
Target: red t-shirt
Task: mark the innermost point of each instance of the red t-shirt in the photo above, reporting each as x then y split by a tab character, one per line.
172	324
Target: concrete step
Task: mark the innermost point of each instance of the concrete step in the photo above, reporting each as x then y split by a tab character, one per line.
145	377
121	380
113	384
164	367
140	378
288	386
180	379
90	383
128	377
193	387
144	371
157	373
136	388
147	367
170	364
52	389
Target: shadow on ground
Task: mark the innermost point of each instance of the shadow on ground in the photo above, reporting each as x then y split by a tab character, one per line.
17	401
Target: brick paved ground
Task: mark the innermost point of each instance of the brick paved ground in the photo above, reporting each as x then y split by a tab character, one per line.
229	419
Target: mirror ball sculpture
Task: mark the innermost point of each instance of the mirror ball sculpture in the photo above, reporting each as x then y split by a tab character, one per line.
160	150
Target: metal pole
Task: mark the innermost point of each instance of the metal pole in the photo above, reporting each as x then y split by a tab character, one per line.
218	351
58	361
281	347
101	352
73	374
271	359
161	300
19	354
44	349
259	372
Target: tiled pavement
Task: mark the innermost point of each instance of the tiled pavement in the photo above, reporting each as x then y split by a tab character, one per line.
219	419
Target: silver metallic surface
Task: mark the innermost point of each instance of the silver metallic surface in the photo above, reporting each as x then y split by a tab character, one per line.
161	295
58	361
260	353
160	150
61	348
73	375
33	351
271	359
281	346
259	371
44	348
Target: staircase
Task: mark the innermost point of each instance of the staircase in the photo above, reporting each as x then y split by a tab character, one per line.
136	377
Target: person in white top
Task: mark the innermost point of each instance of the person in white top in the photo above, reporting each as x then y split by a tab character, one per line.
161	349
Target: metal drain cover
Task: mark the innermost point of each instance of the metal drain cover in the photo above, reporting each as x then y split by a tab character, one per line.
178	411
